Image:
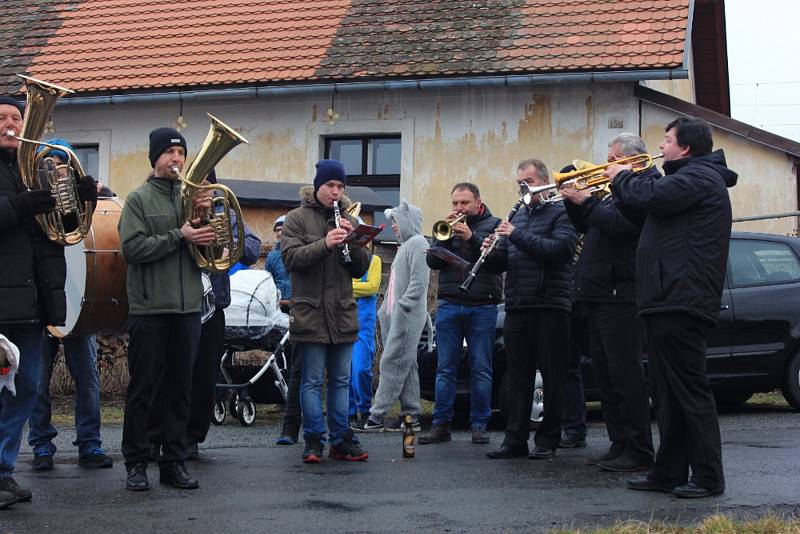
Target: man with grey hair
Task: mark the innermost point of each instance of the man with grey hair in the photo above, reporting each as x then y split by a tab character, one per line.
605	290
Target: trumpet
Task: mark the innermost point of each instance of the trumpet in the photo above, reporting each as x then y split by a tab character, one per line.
443	230
525	197
589	177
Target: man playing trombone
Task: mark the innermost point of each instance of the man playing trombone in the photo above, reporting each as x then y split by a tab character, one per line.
464	315
605	289
535	249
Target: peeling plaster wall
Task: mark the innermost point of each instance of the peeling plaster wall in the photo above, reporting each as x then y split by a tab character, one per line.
448	136
767	183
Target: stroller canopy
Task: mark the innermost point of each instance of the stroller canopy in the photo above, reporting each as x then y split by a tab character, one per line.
254	310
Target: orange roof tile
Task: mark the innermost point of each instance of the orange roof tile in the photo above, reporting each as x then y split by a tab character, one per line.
106	46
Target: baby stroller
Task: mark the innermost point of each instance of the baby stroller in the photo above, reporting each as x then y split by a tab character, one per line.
253	321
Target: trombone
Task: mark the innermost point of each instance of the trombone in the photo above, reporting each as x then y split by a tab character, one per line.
590	177
443	230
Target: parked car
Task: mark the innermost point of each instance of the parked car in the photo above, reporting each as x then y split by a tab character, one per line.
755	346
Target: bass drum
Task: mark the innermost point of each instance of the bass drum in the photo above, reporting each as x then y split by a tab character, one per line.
97	299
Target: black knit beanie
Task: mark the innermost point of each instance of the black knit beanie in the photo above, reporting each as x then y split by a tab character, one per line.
163	138
7	100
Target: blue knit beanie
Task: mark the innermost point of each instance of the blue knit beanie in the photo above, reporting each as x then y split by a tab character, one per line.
54	151
329	169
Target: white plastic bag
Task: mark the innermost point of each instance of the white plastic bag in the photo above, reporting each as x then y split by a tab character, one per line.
10	353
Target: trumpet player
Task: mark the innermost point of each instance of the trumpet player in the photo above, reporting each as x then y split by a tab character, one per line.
680	271
535	251
31	290
164	299
461	315
323	318
605	291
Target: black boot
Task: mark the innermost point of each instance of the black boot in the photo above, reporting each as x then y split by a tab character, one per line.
137	477
9	485
174	474
438	434
314	449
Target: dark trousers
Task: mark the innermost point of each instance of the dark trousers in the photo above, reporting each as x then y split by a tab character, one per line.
616	348
685	407
292	417
204	378
535	339
574	422
159	344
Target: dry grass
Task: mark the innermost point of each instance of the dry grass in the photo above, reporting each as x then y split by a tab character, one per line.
714	524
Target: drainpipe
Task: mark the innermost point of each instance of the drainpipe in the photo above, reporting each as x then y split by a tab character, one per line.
353	87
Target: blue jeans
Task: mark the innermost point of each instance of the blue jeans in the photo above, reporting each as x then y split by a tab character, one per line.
80	354
476	324
317	358
15	410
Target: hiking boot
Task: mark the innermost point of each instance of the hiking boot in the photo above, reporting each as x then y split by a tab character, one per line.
397	426
373	423
572	441
42	462
542	453
439	434
174	474
194	451
480	436
137	477
349	449
96	458
313	451
6	499
9	485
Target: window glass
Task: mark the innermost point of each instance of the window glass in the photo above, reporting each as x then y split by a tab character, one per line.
762	262
348	151
392	197
89	156
383	156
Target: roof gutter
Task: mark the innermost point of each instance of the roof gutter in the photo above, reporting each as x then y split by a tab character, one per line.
352	87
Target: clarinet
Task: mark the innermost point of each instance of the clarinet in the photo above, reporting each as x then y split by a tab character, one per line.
492	244
337	216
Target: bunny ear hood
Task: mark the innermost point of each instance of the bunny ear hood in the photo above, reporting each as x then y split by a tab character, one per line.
408	218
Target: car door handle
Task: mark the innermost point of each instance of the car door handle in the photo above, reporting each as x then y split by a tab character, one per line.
724	307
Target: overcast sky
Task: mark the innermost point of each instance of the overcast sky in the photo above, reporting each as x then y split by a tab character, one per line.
763	59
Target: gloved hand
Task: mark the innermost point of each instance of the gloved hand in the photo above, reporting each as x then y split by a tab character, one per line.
29	203
87	189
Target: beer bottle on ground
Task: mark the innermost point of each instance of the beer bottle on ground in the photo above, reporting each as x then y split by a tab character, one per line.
409	439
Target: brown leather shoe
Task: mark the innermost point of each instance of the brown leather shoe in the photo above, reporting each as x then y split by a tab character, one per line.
480	436
438	434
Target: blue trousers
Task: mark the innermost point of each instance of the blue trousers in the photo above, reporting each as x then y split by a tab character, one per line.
335	359
80	354
363	356
454	324
15	410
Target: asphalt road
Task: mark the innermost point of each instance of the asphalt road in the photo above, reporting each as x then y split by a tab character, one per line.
250	485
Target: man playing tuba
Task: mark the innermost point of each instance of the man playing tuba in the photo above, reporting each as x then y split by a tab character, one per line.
164	297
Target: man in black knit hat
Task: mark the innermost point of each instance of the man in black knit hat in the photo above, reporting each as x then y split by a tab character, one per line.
164	298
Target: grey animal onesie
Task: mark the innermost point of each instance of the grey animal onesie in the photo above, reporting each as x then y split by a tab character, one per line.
401	326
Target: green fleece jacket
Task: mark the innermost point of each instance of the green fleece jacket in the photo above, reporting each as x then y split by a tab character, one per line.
162	275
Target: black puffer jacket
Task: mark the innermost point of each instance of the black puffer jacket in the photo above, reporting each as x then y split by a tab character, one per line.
683	249
606	268
487	288
537	256
32	269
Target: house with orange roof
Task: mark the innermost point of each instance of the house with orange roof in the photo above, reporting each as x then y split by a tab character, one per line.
413	96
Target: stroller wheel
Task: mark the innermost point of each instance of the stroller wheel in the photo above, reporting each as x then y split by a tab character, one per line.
233	403
218	413
246	411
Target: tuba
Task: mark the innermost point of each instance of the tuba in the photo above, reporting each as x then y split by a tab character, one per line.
220	140
71	219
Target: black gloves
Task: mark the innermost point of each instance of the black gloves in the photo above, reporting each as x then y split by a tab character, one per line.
29	203
87	189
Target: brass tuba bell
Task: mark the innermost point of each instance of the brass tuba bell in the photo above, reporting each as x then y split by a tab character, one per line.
220	140
71	219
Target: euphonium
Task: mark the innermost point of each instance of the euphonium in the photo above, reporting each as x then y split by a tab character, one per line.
443	230
219	141
71	219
